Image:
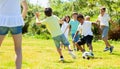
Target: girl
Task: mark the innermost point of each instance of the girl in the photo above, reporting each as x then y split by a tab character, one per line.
12	20
64	28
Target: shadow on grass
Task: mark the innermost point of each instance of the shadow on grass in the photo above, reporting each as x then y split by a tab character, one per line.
65	61
117	54
1	52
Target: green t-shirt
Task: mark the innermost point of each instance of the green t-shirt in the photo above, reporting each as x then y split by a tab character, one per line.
74	25
52	24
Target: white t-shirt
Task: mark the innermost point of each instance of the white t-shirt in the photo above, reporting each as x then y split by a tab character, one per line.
85	28
10	13
104	20
64	26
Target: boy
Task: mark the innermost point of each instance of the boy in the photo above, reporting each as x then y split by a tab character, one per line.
104	20
85	28
87	18
73	24
12	20
52	24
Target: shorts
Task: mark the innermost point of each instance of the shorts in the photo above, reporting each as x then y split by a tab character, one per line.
86	39
105	31
61	38
13	30
76	38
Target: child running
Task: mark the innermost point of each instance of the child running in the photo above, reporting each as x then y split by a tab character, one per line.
52	24
65	30
104	20
65	24
12	20
87	33
73	25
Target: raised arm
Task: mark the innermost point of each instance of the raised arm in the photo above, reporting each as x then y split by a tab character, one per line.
37	15
25	8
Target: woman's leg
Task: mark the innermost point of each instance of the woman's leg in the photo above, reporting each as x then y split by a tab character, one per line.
18	50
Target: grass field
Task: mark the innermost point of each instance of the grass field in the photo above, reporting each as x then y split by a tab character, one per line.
41	54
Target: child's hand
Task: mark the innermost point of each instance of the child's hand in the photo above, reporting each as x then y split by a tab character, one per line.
37	14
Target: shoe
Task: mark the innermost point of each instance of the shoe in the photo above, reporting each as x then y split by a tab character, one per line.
111	49
72	54
61	59
106	49
75	49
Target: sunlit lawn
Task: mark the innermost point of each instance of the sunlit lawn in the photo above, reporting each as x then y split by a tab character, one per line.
41	54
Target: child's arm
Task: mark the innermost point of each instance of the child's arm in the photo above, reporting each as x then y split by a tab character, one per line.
66	28
61	21
37	15
25	8
75	35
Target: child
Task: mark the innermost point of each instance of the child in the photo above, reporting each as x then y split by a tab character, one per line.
65	24
104	20
65	30
87	18
73	24
87	33
12	20
52	24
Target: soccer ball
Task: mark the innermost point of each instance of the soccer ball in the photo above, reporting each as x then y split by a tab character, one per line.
87	55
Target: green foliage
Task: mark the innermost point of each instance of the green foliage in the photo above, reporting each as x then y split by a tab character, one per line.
86	7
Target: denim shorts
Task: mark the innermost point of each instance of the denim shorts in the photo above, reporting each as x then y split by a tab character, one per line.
76	38
105	31
13	30
61	38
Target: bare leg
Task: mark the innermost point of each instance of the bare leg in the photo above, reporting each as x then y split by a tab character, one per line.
1	38
59	51
18	50
90	47
80	48
105	39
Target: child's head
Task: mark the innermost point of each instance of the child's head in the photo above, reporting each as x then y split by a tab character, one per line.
102	10
74	15
48	12
87	18
67	19
80	18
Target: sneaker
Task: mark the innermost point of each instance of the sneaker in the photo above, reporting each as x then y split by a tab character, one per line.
106	49
75	49
72	54
111	49
61	59
92	55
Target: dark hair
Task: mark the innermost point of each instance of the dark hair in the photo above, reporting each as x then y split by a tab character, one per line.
48	11
74	13
65	18
80	16
103	8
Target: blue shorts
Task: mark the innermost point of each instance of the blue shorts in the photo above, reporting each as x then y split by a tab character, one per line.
76	38
61	38
13	30
105	31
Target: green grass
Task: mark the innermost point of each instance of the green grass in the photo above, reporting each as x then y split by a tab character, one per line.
41	54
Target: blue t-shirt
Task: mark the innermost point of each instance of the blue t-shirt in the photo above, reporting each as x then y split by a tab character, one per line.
74	25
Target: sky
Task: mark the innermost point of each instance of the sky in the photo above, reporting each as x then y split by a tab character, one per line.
42	3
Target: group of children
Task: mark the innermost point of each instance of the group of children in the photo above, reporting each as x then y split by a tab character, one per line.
12	20
78	25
